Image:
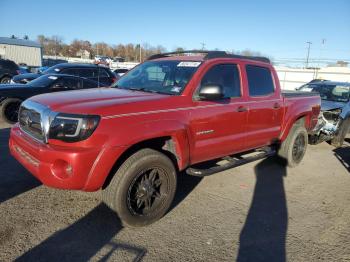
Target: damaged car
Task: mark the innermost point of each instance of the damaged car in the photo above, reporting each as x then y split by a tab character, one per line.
334	119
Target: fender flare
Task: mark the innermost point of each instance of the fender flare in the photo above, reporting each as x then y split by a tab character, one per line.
292	121
153	129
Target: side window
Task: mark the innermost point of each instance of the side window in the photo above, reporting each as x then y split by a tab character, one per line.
70	71
225	75
259	80
86	72
67	83
89	84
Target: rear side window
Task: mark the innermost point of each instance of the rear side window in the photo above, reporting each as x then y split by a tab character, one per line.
226	76
259	80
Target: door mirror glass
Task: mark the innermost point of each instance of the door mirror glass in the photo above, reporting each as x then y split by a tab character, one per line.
211	92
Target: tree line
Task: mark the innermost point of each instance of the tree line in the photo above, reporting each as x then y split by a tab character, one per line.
55	46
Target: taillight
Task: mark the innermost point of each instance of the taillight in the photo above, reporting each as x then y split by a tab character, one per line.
18	72
114	79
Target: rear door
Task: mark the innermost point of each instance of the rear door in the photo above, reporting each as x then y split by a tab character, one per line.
265	107
218	127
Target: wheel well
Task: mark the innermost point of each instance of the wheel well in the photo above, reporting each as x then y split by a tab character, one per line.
301	121
5	75
164	145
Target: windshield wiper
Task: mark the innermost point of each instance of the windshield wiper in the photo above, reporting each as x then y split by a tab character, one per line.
142	89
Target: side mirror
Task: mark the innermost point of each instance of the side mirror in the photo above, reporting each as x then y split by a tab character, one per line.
211	92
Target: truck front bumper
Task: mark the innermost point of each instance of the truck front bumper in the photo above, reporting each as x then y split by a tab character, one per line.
63	167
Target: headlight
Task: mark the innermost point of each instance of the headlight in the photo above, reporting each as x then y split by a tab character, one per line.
73	128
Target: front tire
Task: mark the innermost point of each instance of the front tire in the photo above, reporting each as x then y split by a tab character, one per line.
9	110
5	80
142	189
293	148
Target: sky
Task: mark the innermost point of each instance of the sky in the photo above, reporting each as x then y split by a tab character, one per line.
279	29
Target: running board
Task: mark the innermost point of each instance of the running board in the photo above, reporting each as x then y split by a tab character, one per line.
232	162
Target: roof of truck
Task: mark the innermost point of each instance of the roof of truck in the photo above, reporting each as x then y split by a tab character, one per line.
201	55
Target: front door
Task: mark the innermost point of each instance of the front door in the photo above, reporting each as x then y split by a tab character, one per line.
218	127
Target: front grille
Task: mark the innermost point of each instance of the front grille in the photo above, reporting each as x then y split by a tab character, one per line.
30	122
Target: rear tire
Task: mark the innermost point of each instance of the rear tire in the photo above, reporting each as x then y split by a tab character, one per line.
9	110
142	189
293	148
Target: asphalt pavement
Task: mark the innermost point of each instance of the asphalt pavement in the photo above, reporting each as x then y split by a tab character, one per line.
261	211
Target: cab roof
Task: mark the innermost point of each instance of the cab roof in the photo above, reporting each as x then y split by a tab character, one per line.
201	55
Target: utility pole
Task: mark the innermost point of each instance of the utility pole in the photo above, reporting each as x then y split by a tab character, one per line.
308	54
203	46
140	53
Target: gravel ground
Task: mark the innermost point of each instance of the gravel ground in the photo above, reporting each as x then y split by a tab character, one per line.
257	212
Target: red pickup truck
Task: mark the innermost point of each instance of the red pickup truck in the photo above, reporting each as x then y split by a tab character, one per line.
166	115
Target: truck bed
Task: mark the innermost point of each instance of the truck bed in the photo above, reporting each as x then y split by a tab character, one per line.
292	93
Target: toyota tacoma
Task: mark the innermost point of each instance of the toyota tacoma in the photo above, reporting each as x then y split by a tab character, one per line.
165	116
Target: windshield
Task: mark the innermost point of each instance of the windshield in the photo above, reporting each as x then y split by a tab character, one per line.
166	77
52	70
42	81
337	93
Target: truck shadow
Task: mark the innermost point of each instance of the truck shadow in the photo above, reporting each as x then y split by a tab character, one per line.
14	179
343	155
185	185
90	237
263	237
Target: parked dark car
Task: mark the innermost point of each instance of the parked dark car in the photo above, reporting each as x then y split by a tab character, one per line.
8	69
334	119
11	96
94	72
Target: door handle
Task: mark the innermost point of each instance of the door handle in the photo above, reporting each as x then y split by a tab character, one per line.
241	109
276	105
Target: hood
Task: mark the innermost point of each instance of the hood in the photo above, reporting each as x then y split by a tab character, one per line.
5	87
101	101
331	105
29	76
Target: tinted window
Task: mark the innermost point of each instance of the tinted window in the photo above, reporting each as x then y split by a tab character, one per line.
68	83
337	93
259	80
226	76
70	71
53	70
86	72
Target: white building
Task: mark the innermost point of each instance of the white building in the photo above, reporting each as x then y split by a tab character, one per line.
21	51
